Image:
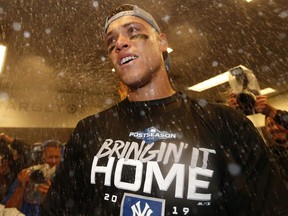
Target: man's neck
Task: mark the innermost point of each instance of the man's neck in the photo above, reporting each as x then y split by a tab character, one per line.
159	87
151	92
148	96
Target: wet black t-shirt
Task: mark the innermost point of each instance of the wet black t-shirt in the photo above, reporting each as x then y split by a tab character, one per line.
173	156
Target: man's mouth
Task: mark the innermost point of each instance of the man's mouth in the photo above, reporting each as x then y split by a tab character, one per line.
128	59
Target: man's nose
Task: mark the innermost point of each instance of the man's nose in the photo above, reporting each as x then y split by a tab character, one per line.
122	42
53	161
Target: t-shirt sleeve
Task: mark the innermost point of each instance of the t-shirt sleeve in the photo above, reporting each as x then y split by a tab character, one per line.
253	184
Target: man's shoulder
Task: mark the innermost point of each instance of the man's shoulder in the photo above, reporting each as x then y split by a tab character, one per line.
213	108
218	114
101	115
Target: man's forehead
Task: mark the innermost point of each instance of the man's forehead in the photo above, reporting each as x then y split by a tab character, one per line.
125	21
52	148
131	10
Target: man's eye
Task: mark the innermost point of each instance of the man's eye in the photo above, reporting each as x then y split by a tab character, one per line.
133	29
110	48
111	44
110	41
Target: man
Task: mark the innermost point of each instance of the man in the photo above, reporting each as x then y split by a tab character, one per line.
278	145
276	131
20	150
157	152
276	121
7	173
33	183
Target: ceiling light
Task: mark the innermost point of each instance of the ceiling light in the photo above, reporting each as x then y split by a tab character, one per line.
220	79
267	91
2	56
212	82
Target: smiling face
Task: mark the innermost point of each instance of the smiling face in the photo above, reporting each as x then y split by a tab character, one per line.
135	50
277	132
52	156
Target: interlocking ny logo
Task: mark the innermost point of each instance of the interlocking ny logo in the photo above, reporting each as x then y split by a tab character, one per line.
136	209
138	205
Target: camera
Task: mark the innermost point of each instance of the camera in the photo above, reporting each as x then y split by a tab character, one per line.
40	174
245	85
37	177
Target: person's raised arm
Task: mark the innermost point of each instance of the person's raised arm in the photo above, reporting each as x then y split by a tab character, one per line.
16	198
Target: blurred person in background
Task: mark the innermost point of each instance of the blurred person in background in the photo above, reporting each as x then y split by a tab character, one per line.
276	120
20	149
36	156
262	106
27	193
278	145
7	169
275	133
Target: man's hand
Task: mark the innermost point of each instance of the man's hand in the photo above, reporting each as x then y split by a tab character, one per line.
261	105
5	137
24	177
43	188
232	101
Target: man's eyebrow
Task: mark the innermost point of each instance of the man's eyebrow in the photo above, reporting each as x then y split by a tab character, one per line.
125	26
109	33
132	23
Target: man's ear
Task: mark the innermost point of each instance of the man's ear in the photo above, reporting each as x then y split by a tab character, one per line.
163	42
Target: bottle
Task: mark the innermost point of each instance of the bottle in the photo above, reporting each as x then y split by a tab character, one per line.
245	85
40	174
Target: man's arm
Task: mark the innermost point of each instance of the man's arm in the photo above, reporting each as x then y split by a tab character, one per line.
7	138
21	150
259	180
280	116
16	199
262	106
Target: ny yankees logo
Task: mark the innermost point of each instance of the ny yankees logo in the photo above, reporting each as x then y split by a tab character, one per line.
136	209
138	205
